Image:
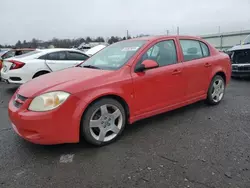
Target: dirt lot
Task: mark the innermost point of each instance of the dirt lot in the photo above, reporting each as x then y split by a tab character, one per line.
195	146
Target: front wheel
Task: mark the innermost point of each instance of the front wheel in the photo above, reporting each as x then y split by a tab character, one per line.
216	90
103	122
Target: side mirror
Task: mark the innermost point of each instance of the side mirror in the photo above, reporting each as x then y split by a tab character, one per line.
147	64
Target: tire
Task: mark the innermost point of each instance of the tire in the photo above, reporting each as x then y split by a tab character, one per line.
216	90
100	119
40	74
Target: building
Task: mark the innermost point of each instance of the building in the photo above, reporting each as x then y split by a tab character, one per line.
224	41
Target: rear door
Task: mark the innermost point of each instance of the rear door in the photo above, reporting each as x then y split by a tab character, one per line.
57	61
74	58
197	66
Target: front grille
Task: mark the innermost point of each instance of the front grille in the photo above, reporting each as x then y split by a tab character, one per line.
19	100
234	67
244	68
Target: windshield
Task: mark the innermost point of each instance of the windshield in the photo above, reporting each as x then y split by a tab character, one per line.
114	56
247	40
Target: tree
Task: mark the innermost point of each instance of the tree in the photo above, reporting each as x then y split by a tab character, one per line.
25	44
124	38
34	43
113	39
18	44
99	39
88	40
81	40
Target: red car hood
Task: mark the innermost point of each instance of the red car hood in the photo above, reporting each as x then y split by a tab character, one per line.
60	80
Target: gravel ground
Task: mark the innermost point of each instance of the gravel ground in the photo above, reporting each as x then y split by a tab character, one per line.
196	146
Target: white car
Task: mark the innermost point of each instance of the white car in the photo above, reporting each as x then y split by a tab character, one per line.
21	69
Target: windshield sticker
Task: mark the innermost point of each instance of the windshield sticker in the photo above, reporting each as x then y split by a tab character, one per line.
127	49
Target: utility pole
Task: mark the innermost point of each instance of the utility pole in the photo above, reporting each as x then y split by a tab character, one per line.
127	34
178	30
167	32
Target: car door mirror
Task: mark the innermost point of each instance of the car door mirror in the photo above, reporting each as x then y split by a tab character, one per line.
147	64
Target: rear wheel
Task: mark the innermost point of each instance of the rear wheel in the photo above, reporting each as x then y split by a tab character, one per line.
103	122
216	90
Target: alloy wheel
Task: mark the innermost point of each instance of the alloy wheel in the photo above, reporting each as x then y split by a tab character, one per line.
106	123
218	90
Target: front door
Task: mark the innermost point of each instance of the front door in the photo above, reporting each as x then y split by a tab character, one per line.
162	86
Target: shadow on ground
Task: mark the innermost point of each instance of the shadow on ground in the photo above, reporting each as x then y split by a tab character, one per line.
130	131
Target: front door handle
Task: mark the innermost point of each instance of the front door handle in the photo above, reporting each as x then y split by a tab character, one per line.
176	71
208	65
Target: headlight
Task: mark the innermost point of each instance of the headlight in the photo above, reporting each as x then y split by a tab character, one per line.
48	101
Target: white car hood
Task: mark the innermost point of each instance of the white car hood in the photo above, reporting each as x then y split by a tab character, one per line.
240	47
94	50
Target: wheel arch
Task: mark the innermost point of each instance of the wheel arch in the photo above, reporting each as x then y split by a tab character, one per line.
112	96
116	97
39	72
219	71
222	74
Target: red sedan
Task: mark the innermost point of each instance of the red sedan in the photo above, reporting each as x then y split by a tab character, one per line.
121	84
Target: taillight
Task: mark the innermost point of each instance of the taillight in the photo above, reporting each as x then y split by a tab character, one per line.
79	64
16	64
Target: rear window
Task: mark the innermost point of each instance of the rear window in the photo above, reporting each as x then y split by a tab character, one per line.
29	53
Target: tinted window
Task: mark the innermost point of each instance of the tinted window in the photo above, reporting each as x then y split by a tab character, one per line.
191	49
62	56
164	53
52	56
76	56
9	54
57	56
43	57
205	49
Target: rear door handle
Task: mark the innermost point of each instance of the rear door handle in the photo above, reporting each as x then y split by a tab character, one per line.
176	71
208	65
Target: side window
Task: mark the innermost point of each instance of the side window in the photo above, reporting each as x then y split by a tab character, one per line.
57	56
164	53
205	49
76	56
52	56
43	57
62	56
191	49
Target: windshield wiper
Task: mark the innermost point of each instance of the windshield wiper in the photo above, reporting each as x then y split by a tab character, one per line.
91	66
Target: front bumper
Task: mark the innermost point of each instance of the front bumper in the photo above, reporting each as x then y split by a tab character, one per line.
57	126
240	73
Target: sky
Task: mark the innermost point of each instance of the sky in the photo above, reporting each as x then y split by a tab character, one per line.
45	19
